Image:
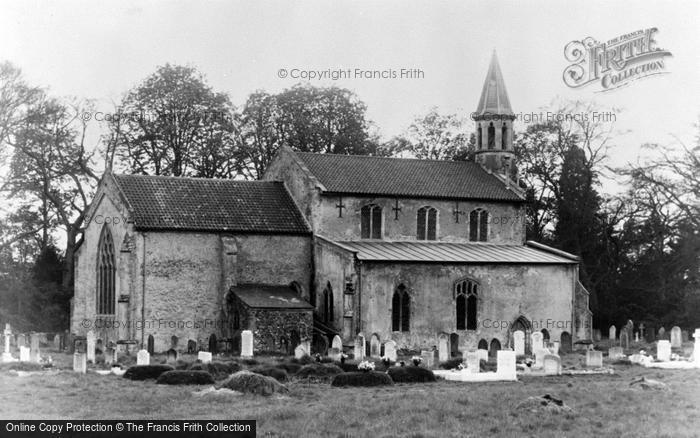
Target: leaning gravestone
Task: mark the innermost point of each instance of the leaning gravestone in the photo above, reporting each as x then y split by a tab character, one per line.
551	364
24	355
536	339
594	358
359	353
676	337
505	364
143	358
80	363
473	362
90	346
246	343
519	342
390	350
204	356
663	350
612	333
443	348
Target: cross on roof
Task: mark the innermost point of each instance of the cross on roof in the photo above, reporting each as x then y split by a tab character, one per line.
396	210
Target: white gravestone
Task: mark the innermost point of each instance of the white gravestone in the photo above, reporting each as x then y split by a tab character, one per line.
24	354
6	355
390	350
204	356
337	343
519	342
505	364
246	343
300	352
374	346
360	346
612	333
443	348
80	363
676	337
143	358
663	350
90	346
537	338
34	355
594	358
552	364
473	362
483	354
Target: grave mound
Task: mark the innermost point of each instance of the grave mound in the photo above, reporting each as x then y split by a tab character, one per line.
290	367
362	378
218	370
21	366
411	374
277	373
185	377
252	383
145	372
318	371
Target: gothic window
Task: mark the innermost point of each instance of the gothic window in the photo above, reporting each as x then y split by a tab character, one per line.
371	218
478	225
465	302
327	312
479	145
106	270
400	310
504	137
427	223
491	136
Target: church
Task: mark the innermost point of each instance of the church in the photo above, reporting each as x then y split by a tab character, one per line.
387	248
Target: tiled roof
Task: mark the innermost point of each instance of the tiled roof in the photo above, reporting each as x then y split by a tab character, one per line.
448	252
199	204
494	97
269	297
362	175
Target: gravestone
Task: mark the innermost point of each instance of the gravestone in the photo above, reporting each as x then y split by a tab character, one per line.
337	343
90	339
143	357
390	350
676	339
616	353
696	348
21	340
34	340
636	336
300	352
171	355
662	333
519	342
684	335
539	357
443	348
204	356
6	355
473	362
624	338
24	355
551	364
663	350
110	355
334	354
360	347
597	335
374	346
594	358
80	363
428	357
612	333
505	364
536	339
306	344
246	343
58	342
483	354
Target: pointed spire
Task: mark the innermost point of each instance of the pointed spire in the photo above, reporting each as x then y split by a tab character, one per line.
494	97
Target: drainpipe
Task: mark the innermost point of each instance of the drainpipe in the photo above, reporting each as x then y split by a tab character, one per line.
143	292
358	268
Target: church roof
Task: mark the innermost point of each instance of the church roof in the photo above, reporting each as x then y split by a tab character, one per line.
364	175
450	252
263	296
200	204
494	97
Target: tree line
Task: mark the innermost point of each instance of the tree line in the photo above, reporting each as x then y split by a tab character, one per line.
640	250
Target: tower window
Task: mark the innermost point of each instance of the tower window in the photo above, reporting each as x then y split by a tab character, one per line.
478	225
504	137
491	136
400	310
465	292
106	270
426	223
478	144
371	222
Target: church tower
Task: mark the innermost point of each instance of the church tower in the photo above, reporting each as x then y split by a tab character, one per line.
494	125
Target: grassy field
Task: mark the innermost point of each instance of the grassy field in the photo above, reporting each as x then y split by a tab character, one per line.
603	405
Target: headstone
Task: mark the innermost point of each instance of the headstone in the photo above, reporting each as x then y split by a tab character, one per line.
616	353
80	363
428	357
676	339
519	342
143	357
300	351
551	364
390	350
246	343
624	338
539	357
662	333
663	350
337	343
594	358
374	346
360	346
34	340
204	356
641	330
636	336
21	340
483	354
57	342
90	346
696	349
443	348
536	339
505	364
473	362
6	355
597	335
171	355
612	333
24	355
110	355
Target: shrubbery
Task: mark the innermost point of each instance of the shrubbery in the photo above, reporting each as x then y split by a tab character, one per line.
252	383
411	374
362	378
185	377
318	371
277	373
144	372
451	364
218	370
347	367
304	360
290	367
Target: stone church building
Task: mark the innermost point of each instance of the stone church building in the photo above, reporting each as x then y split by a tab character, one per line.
394	249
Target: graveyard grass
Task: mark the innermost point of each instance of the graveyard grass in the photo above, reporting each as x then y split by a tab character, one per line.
604	405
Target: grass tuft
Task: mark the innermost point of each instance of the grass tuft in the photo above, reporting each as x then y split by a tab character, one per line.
252	383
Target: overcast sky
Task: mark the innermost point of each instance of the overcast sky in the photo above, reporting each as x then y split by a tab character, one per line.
99	50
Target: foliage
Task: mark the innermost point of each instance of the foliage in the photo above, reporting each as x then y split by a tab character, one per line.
362	378
145	372
248	382
411	374
451	364
185	377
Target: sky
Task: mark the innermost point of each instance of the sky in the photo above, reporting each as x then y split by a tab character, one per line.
99	50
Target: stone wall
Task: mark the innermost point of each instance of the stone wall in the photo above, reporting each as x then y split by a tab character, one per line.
280	330
336	266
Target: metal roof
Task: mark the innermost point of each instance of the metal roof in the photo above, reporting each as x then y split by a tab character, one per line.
269	297
448	252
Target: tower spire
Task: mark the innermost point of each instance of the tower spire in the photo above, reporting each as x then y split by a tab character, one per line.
494	97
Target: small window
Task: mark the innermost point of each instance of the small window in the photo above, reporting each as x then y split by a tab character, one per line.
466	294
479	145
478	225
504	137
427	224
371	222
400	310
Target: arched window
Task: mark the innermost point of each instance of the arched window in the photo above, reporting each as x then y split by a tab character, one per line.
491	136
478	225
426	224
106	269
371	221
466	294
327	312
400	310
504	137
478	144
